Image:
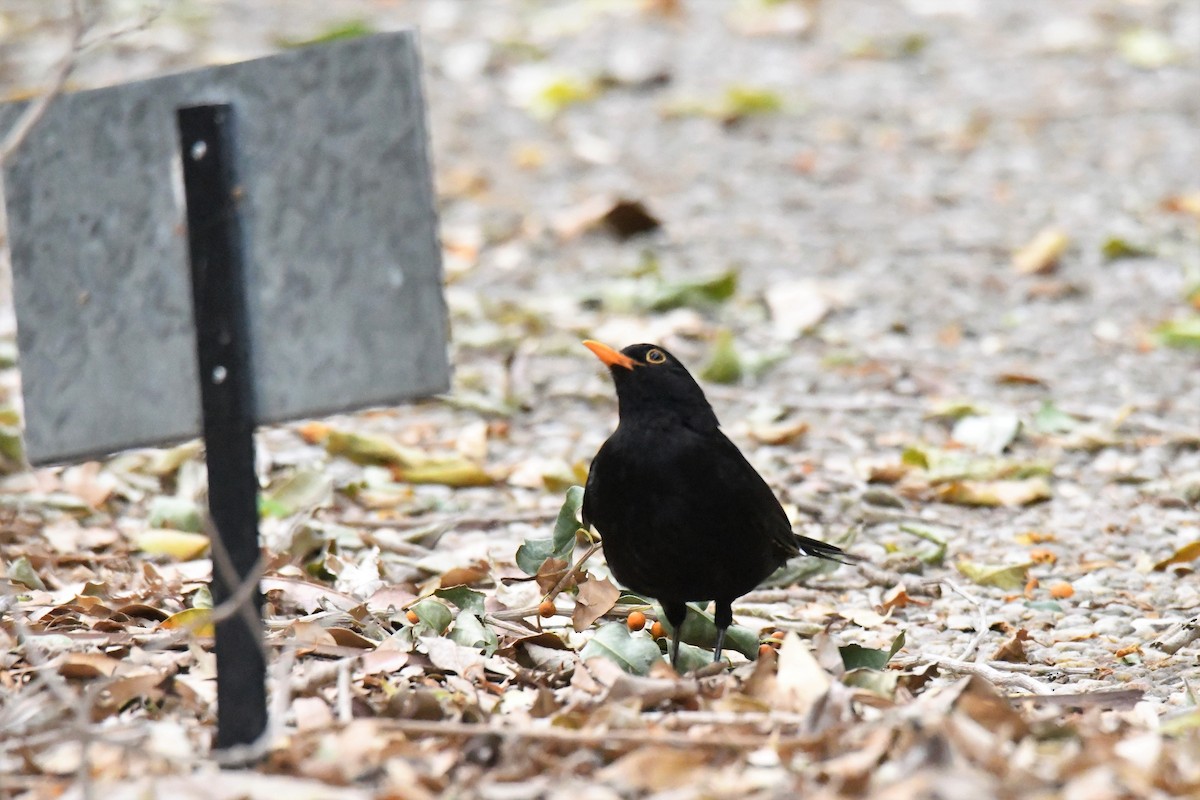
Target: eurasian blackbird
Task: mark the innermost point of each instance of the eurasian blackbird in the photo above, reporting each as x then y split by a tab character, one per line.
682	513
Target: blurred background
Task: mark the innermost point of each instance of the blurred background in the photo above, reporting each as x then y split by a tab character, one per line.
839	197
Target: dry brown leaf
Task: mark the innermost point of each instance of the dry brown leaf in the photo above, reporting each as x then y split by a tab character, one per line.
777	433
898	597
453	657
551	572
984	704
383	660
309	596
119	693
89	483
87	665
1186	203
800	682
464	576
344	637
657	768
1013	648
305	632
888	473
621	218
595	599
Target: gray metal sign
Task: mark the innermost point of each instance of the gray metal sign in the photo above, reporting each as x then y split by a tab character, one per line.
342	256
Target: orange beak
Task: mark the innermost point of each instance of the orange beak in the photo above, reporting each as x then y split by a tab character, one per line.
610	357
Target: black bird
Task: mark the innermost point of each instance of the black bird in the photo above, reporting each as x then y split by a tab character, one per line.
682	513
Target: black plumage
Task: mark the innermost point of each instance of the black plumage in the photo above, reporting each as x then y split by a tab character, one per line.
683	515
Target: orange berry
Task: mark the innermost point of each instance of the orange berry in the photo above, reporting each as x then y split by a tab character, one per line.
657	631
1041	555
411	616
547	609
636	620
1061	591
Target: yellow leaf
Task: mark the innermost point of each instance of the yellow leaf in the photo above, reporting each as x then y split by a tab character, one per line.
182	545
196	621
995	493
1008	577
448	473
1042	253
1189	552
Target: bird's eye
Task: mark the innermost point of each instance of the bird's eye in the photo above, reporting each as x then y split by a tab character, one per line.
655	357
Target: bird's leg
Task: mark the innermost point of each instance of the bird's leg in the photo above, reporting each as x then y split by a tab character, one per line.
723	617
676	614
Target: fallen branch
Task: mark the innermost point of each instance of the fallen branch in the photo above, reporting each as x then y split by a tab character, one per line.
1178	636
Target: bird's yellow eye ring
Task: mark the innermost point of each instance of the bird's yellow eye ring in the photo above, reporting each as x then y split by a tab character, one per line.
655	357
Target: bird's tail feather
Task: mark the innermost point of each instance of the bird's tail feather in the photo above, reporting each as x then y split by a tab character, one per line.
825	550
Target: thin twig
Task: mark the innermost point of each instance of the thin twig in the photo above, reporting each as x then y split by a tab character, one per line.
981	669
34	112
457	521
1178	636
345	712
605	737
981	626
573	572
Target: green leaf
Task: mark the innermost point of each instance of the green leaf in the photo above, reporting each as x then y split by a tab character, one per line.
303	489
701	294
336	32
858	657
12	445
1116	248
934	557
699	628
21	571
692	658
534	552
882	683
202	598
567	521
725	365
747	101
1010	577
855	656
176	513
1044	605
1183	332
468	599
433	614
1051	419
634	653
914	457
469	631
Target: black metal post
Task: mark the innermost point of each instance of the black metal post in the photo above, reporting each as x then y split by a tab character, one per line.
207	142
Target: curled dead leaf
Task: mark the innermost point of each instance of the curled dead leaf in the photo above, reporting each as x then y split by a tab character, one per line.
595	599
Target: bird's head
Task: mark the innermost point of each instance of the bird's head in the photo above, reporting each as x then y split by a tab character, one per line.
651	383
